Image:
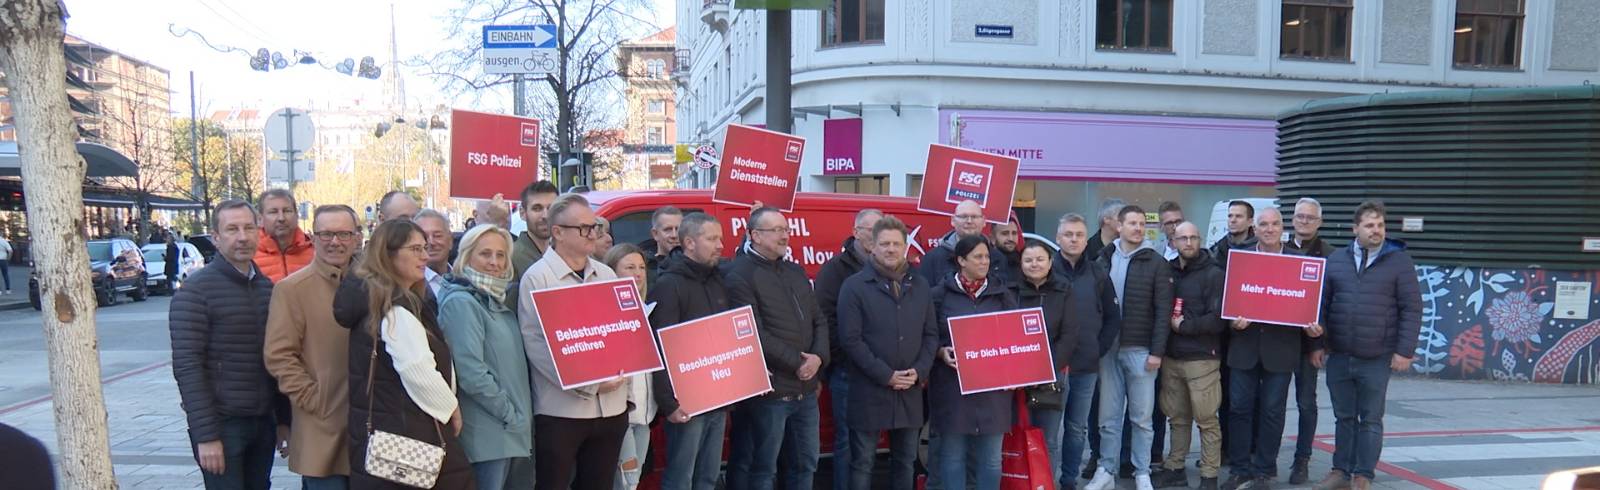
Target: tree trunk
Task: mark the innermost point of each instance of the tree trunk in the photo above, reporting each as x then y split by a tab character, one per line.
52	171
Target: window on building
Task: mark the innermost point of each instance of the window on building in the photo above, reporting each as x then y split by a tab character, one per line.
1134	25
853	22
657	106
655	135
1316	29
913	185
866	184
1489	33
655	69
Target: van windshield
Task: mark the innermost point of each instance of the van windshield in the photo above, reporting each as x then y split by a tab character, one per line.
100	251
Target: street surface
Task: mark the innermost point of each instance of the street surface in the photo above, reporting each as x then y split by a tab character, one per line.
1441	434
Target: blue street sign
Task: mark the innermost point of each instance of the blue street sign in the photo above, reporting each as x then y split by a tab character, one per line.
538	36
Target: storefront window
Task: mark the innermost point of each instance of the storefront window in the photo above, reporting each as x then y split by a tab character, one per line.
866	184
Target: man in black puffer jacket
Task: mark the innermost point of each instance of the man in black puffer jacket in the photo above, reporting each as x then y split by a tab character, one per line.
1191	375
218	322
855	254
794	340
688	288
1092	301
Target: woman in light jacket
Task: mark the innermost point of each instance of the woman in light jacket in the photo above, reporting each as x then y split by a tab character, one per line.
628	260
401	377
486	345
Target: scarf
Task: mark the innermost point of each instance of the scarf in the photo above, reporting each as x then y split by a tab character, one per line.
495	287
894	275
972	288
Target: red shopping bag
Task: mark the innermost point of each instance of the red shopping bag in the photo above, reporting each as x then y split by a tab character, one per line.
1024	459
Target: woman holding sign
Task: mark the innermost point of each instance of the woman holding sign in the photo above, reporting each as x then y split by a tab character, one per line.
400	373
970	427
629	261
486	345
1040	288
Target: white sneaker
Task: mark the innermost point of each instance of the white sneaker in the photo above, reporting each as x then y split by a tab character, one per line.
1142	482
1103	480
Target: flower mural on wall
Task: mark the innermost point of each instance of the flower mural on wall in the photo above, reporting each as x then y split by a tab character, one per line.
1515	318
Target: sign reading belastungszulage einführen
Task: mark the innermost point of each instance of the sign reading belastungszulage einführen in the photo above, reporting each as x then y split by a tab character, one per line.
1273	288
759	166
715	361
596	331
1001	350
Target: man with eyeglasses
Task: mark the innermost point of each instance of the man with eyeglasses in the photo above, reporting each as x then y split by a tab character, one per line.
1190	385
436	229
218	323
938	265
282	248
1306	241
578	432
854	255
794	340
308	351
1171	214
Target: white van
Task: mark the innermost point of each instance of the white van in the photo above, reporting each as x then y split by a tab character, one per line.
1219	217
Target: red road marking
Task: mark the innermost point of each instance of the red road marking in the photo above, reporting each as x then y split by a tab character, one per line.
1402	473
114	378
1468	432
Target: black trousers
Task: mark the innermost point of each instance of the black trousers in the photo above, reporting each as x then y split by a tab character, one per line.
581	453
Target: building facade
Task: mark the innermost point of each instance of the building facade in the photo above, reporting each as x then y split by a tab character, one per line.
1145	100
645	66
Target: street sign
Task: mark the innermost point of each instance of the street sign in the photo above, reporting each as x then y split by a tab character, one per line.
278	170
289	130
528	50
706	157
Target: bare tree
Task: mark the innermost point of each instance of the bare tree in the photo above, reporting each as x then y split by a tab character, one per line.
583	94
140	130
31	56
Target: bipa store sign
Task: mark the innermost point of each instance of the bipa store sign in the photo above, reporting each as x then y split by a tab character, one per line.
841	146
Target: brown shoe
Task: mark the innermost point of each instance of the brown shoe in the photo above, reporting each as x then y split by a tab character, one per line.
1336	480
1361	483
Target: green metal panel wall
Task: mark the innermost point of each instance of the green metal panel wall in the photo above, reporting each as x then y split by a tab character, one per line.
1501	177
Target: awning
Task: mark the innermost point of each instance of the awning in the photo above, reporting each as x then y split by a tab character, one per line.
103	161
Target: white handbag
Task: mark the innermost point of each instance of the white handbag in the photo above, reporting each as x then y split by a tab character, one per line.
394	457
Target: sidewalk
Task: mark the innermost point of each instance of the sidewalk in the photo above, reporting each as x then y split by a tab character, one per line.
18	299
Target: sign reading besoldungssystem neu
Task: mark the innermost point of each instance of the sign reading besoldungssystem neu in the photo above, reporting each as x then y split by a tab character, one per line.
715	361
596	331
1273	288
759	166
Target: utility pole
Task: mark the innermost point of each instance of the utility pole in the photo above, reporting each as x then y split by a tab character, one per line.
778	68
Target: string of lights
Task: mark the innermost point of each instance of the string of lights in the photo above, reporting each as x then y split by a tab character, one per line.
263	60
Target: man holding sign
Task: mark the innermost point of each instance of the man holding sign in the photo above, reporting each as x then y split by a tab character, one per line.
577	432
1262	358
689	288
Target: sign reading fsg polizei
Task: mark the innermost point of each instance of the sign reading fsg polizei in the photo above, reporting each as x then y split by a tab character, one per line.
1002	350
1273	288
492	154
759	165
956	174
596	331
715	361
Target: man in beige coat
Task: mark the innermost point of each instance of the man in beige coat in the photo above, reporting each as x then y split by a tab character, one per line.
307	351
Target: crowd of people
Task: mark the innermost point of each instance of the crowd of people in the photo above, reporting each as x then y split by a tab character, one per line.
328	347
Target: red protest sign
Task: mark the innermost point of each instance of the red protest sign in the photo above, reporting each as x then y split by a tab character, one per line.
759	165
996	351
492	154
1273	288
956	174
596	331
715	361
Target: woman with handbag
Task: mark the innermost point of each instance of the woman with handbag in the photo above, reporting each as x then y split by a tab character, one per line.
628	260
486	346
1040	288
970	427
404	417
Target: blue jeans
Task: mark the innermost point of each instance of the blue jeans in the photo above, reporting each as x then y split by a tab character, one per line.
774	421
694	452
960	452
743	446
247	446
1359	388
1049	422
1126	389
5	271
1080	394
839	395
903	445
635	448
1305	400
1257	399
492	474
337	482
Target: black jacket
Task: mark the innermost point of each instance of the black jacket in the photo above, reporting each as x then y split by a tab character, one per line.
686	290
939	264
1376	312
830	282
1051	296
1219	250
653	264
1277	348
1092	311
787	316
218	322
1199	285
1317	247
988	413
881	333
1146	299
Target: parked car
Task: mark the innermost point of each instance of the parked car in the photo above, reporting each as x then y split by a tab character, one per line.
115	266
155	265
208	249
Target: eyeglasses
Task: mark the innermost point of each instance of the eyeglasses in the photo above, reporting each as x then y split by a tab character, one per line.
416	249
784	230
1306	218
1181	239
586	231
343	236
969	217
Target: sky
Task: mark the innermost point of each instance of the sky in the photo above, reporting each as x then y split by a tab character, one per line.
330	29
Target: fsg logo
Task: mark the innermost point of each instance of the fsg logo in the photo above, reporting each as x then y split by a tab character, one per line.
969	181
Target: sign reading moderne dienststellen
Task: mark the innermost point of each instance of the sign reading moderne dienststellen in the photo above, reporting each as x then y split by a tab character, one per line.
759	166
